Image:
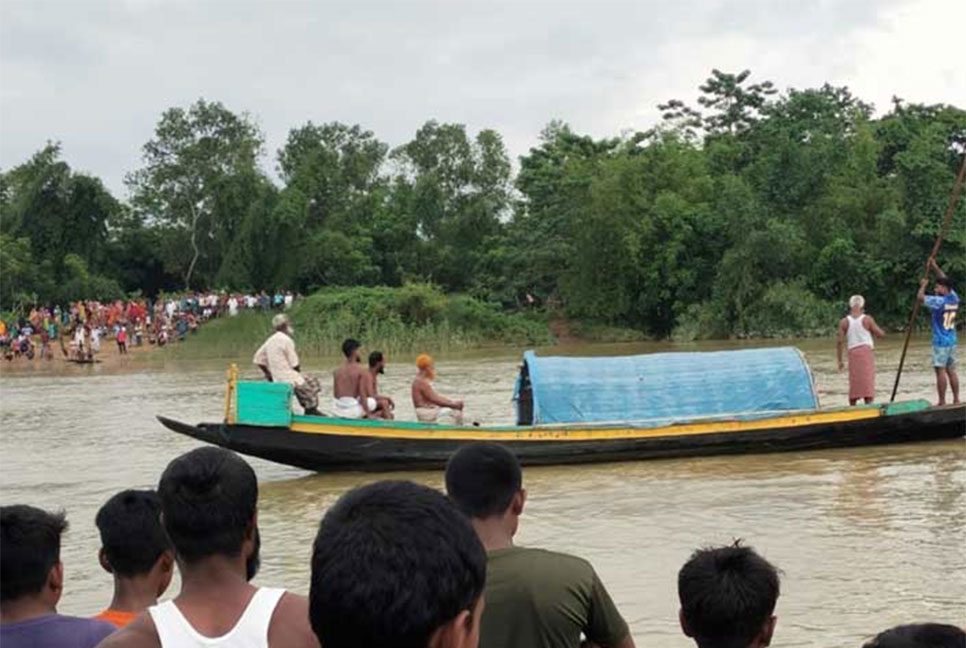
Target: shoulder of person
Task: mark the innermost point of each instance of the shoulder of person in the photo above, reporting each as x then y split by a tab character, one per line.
139	633
575	565
290	623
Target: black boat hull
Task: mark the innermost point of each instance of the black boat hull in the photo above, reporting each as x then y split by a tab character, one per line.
381	451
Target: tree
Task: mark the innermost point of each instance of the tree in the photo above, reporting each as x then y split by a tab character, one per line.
193	154
456	193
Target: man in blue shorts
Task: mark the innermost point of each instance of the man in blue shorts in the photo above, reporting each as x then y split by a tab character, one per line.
943	305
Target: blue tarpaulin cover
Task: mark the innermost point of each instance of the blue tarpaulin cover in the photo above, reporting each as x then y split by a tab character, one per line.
664	388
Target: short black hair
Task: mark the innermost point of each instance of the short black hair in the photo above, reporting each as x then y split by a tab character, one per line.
375	358
131	531
920	635
482	478
349	346
945	281
208	499
727	595
29	549
392	562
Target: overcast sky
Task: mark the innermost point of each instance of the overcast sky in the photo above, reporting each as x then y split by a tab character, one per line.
96	75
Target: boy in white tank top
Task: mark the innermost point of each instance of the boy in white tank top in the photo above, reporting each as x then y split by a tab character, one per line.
855	332
209	510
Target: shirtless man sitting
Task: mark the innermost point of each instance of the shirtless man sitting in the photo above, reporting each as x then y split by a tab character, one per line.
370	387
429	405
347	399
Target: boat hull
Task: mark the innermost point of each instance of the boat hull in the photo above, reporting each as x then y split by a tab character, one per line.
332	445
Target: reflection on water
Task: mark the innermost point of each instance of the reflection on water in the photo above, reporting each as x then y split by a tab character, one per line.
867	538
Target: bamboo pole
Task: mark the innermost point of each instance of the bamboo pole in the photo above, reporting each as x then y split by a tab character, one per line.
950	210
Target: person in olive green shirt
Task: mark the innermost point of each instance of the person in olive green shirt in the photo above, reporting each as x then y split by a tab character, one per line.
534	598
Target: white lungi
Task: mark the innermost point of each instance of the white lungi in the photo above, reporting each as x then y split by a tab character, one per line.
350	408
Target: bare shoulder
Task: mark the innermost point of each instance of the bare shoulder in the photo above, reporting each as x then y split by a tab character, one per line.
139	633
290	623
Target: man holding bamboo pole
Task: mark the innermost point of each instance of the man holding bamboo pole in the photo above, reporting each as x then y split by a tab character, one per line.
943	306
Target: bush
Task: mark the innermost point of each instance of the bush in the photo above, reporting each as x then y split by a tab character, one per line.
415	317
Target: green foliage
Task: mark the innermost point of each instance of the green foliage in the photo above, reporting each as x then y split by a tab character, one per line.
750	212
414	317
198	168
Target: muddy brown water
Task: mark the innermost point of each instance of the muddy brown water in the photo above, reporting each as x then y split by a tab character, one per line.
867	538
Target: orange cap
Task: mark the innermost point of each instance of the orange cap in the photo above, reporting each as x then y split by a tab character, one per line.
425	363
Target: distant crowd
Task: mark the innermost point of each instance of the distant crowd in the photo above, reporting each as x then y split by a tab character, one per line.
394	565
80	327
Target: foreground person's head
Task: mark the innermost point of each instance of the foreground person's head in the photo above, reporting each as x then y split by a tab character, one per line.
30	567
134	545
485	481
728	597
395	564
920	635
208	508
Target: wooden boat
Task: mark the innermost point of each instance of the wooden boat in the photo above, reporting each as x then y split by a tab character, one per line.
259	422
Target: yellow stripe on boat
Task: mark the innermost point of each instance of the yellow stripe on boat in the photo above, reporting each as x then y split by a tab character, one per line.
582	433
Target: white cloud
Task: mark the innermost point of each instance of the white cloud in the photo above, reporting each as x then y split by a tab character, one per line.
97	74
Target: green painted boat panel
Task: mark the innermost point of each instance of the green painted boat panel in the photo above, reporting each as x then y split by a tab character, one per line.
906	407
264	403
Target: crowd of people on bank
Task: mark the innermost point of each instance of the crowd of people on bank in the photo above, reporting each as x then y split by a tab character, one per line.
79	328
394	564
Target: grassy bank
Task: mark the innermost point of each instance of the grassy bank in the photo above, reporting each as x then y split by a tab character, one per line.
416	317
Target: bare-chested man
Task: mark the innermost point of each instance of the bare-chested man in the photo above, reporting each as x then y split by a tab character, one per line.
429	405
370	387
347	385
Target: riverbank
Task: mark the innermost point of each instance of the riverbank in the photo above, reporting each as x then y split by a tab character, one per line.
413	318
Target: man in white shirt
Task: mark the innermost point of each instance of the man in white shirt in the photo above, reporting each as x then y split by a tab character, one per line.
280	363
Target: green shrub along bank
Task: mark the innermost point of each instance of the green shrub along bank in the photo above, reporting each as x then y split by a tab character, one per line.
412	318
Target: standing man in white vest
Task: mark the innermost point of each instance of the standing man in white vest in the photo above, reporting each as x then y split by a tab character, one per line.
209	509
856	331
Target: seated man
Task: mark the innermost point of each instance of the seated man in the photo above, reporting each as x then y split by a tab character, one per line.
209	509
381	406
279	362
728	597
348	401
395	565
32	581
920	635
534	598
429	405
136	551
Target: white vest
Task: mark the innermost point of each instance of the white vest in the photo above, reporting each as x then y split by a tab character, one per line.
858	335
251	631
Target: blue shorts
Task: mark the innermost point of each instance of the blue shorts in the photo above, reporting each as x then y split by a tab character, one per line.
944	357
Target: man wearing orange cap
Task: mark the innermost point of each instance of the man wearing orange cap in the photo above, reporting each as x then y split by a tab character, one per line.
429	405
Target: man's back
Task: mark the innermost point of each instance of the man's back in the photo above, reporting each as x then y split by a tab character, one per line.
347	380
536	597
54	630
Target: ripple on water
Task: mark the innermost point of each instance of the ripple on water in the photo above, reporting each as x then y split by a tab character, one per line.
866	538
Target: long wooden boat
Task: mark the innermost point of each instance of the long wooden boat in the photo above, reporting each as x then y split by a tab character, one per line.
322	444
330	444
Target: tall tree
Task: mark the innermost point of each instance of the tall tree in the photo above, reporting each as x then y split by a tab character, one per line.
192	156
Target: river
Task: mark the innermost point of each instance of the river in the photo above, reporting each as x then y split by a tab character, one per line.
866	538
